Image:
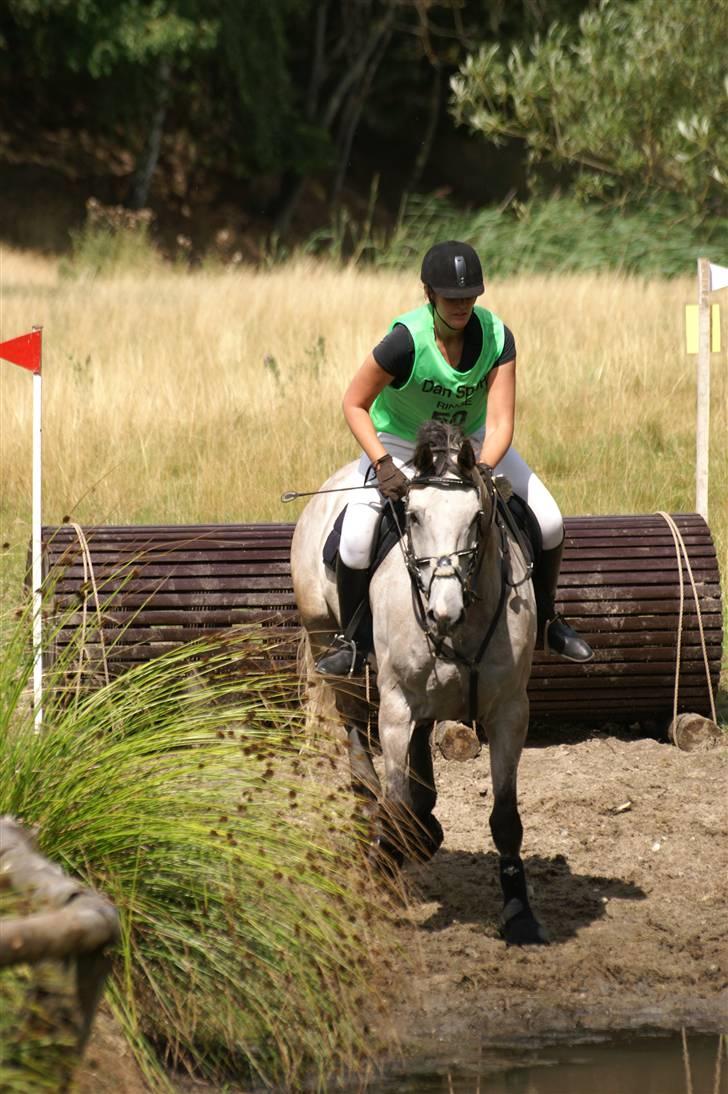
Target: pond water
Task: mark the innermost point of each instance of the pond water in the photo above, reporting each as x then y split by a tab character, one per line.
626	1065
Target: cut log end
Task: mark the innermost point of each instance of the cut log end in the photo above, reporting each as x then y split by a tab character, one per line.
457	741
694	733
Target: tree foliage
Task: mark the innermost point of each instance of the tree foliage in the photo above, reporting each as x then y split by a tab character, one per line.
635	98
204	96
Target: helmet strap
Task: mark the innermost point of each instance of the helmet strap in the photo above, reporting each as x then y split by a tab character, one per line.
443	321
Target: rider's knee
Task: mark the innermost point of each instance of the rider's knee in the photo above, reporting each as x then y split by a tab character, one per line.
552	528
355	555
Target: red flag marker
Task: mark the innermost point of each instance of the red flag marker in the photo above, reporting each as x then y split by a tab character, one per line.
24	351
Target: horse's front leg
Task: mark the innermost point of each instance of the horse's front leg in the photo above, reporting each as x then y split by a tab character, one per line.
407	824
506	737
364	779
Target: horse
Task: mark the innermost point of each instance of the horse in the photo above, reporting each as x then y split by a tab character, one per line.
454	626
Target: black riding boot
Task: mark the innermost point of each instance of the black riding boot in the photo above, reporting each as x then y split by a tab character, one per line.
557	636
347	655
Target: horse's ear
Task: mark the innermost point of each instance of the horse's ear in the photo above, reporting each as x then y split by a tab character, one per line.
423	459
466	457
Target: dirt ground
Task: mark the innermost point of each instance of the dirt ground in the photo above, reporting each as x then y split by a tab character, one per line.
626	853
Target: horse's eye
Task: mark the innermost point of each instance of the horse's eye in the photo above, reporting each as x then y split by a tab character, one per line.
414	519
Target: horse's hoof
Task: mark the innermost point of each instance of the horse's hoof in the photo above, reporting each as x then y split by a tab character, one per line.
427	839
521	928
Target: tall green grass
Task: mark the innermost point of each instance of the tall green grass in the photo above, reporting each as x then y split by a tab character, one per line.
253	938
544	235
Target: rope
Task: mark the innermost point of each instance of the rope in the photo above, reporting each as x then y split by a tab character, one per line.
686	1063
680	548
718	1063
88	575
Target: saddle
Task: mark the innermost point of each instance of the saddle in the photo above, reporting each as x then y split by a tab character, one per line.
517	515
387	535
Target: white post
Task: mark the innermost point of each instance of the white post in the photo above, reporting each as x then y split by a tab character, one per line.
702	428
37	548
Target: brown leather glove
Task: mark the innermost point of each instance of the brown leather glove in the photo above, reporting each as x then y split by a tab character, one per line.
393	483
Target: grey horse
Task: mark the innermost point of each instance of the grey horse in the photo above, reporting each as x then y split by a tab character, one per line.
454	626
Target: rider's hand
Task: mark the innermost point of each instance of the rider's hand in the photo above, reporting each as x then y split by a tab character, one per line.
486	471
393	483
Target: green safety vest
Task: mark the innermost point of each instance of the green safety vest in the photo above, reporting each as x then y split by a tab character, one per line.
435	389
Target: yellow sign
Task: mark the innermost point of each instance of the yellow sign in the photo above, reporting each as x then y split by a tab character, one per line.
691	328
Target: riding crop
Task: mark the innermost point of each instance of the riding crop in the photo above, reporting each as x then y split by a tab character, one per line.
291	495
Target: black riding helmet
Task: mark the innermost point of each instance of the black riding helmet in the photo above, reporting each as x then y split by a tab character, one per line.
452	270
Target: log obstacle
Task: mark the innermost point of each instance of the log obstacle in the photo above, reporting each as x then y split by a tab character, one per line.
160	586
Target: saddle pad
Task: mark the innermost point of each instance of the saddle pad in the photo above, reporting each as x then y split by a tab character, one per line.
386	537
523	515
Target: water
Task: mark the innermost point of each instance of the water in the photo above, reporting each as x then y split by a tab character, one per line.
628	1065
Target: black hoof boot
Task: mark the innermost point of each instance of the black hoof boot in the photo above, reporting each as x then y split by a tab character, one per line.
563	640
519	926
427	839
342	659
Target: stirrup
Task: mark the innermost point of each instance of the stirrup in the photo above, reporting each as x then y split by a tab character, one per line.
562	640
343	658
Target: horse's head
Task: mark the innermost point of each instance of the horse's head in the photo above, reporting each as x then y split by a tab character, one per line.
448	510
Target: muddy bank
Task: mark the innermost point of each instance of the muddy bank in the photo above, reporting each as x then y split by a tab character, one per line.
625	846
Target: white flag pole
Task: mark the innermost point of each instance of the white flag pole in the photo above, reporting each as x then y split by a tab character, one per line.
702	427
37	548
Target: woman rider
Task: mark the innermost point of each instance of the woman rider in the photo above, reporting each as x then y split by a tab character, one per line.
455	362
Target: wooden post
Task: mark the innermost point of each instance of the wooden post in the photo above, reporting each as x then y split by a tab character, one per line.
37	521
702	424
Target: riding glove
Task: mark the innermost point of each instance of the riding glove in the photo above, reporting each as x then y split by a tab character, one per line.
393	483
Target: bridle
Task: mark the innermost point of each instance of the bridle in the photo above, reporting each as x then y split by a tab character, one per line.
449	566
486	520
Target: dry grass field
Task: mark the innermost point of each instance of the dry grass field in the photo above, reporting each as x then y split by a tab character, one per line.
176	396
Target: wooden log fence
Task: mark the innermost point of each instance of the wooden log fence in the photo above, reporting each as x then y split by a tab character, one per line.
64	922
158	586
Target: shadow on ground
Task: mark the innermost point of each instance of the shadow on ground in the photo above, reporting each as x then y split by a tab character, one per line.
465	886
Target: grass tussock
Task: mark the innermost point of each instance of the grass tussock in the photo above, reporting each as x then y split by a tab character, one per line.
253	938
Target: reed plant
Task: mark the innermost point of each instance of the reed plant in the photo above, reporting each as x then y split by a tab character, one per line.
183	397
552	235
253	938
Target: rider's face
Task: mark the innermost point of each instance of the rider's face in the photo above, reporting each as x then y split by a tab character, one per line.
456	313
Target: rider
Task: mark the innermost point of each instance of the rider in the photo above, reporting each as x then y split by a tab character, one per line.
455	362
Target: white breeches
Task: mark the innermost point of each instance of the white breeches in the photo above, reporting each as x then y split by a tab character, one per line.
365	506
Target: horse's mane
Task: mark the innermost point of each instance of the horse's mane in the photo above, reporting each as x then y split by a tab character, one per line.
441	448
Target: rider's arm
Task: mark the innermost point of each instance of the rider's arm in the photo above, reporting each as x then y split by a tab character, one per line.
500	415
368	381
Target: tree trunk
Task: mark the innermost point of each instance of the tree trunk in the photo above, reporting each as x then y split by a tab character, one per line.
353	117
428	139
147	165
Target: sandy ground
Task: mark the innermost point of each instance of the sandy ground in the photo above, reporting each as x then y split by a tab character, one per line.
633	896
